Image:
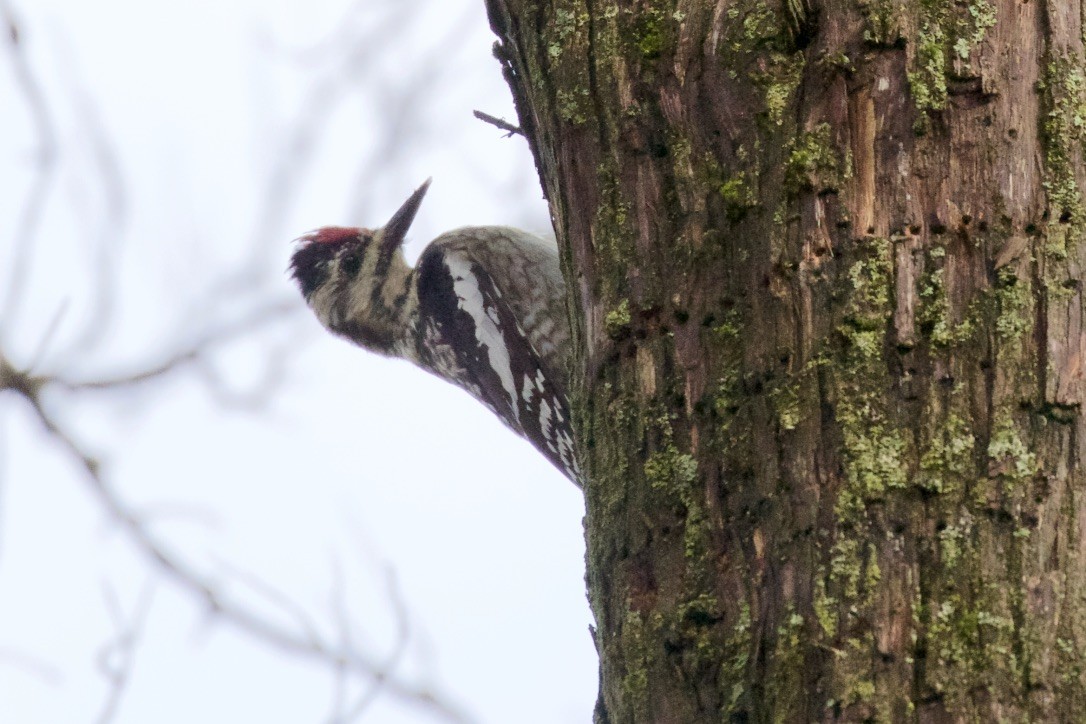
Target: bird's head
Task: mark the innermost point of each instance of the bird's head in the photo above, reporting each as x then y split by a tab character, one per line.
356	280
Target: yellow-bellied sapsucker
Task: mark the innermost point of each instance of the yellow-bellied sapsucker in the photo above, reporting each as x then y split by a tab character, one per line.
484	309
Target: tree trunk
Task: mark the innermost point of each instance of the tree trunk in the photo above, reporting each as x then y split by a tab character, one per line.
824	264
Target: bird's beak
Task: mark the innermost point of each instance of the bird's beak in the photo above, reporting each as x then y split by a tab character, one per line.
394	232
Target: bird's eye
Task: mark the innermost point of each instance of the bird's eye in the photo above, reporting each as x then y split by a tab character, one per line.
350	264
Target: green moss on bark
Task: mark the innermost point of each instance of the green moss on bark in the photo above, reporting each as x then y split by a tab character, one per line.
874	447
814	163
946	36
1063	86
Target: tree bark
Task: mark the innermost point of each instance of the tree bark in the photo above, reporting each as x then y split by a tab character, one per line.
824	264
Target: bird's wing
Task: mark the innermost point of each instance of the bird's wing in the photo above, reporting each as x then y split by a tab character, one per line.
525	270
473	336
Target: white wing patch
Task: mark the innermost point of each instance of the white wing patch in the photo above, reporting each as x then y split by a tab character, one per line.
488	335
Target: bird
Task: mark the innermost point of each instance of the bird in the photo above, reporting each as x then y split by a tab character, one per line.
484	308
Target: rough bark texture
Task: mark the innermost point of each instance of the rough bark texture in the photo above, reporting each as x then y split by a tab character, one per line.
826	284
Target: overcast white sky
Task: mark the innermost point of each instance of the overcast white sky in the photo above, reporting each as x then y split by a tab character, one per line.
195	139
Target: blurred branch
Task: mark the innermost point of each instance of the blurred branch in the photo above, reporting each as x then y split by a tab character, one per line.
42	670
351	52
118	656
350	60
44	167
193	354
399	648
399	99
305	643
109	182
274	596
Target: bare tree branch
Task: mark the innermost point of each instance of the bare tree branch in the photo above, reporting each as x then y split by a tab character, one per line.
305	644
45	166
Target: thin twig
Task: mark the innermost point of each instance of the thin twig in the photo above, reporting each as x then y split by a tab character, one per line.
500	123
273	596
109	235
49	335
18	271
117	657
